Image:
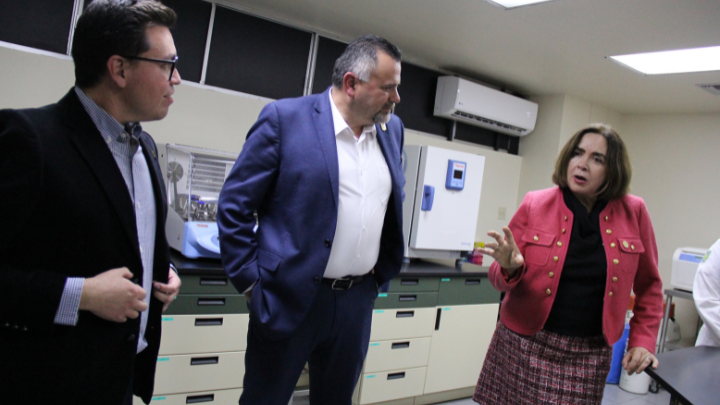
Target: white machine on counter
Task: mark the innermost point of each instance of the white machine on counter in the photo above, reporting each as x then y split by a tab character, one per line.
684	266
195	178
442	198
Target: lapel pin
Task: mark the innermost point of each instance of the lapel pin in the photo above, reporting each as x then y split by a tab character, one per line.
384	127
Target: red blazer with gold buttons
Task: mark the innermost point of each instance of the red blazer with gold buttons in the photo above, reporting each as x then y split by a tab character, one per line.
541	228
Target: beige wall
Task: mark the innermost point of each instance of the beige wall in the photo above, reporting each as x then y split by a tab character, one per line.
559	117
675	167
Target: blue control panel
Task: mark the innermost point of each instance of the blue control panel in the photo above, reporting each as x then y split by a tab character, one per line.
455	179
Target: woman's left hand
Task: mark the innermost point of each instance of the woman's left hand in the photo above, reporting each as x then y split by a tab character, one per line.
637	359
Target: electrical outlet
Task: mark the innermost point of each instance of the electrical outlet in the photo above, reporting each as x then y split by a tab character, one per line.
501	212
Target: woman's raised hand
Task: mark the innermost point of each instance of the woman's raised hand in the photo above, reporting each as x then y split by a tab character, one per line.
504	251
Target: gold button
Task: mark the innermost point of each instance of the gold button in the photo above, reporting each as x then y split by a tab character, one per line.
612	245
606	218
566	217
535	238
614	279
551	274
625	244
556	258
559	243
616	261
632	247
608	232
563	231
610	293
548	292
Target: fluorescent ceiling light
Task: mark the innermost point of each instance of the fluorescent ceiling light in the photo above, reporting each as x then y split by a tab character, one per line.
516	3
678	61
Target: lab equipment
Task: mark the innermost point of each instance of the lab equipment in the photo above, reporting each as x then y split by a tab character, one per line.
684	266
195	177
442	199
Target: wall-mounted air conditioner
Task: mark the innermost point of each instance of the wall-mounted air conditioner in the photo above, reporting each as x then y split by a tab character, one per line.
464	101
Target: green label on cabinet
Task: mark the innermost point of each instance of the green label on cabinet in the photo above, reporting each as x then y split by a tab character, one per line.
166	319
158	398
163	358
380	312
374	344
446	309
445	279
370	376
382	295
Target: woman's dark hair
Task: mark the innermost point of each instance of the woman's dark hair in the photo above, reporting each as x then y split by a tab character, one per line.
618	171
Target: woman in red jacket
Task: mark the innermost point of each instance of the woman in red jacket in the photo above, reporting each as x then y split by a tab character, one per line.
567	263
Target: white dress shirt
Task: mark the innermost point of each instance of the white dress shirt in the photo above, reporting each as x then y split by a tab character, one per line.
706	293
365	187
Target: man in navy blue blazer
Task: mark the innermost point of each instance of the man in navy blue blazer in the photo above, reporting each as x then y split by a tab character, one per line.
324	175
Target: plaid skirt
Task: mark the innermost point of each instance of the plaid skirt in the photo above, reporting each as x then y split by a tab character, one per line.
545	368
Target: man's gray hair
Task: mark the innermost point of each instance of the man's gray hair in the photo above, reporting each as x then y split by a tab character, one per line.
360	58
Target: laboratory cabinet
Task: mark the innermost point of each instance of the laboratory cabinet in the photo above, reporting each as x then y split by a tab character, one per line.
430	333
431	327
202	349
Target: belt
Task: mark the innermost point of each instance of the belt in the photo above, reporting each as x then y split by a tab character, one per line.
344	283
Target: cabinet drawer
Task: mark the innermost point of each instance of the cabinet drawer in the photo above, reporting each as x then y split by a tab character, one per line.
193	284
467	291
190	334
394	354
389	385
413	284
392	324
221	397
406	300
195	304
202	372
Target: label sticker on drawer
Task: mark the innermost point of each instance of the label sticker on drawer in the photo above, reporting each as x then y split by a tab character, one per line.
446	309
380	312
370	376
382	295
374	344
164	319
163	358
158	398
445	279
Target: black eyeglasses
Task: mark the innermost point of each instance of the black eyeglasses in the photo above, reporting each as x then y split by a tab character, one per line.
172	62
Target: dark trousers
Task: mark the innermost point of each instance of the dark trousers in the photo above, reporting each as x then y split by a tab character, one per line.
333	339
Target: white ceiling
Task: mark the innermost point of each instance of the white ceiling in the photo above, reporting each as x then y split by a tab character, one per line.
557	47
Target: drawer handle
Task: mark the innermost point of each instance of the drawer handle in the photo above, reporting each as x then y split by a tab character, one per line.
400	345
214	281
208	321
395	376
405	314
200	361
408	298
409	281
211	301
437	319
472	281
196	399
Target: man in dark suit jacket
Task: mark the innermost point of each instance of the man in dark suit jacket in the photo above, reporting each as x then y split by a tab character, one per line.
324	175
84	264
